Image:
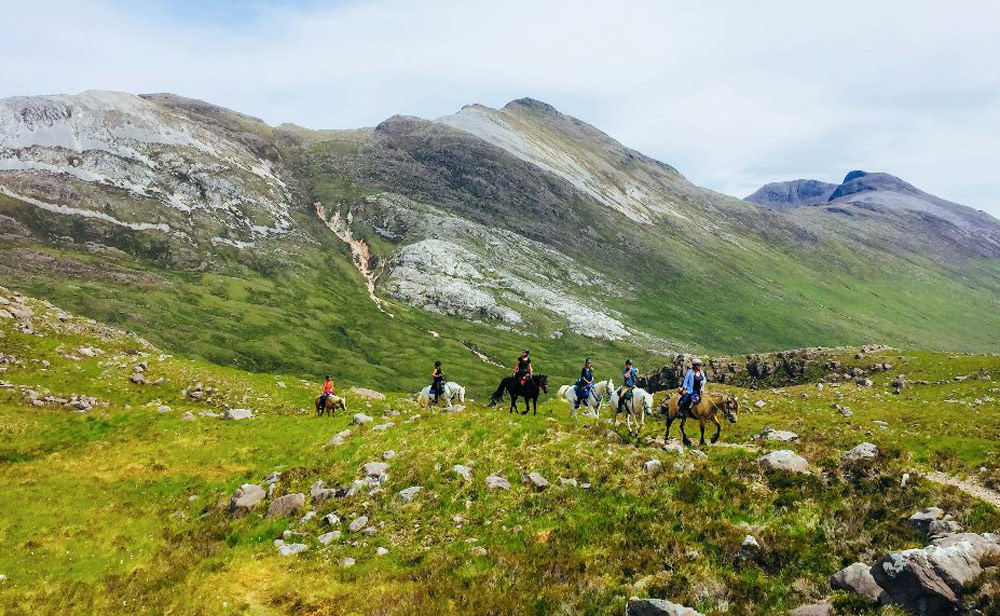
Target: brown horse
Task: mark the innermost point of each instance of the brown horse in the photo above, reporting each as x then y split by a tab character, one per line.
703	411
332	403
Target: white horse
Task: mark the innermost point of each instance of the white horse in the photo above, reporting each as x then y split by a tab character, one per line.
599	392
640	405
452	390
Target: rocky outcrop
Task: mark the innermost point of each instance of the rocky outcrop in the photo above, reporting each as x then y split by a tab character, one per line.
786	195
784	460
284	505
245	499
857	579
657	607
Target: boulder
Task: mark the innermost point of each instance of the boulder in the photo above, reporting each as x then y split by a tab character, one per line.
943	527
864	451
320	493
813	609
367	394
358	524
749	549
922	519
652	466
537	482
865	382
857	579
331	519
330	537
697	453
138	378
383	427
930	580
784	460
381	551
235	414
389	455
245	499
408	494
657	607
361	418
496	482
289	549
284	505
187	416
760	404
462	471
347	562
568	481
675	448
784	436
375	469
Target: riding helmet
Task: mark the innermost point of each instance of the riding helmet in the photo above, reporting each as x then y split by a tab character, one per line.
437	364
628	362
329	376
526	351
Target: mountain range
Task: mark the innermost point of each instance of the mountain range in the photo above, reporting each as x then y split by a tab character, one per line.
372	251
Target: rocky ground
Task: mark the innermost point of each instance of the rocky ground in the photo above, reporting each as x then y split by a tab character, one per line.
137	482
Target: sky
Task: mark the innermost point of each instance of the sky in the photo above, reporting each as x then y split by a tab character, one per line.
733	94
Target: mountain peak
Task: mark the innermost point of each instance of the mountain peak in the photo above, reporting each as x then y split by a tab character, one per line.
532	105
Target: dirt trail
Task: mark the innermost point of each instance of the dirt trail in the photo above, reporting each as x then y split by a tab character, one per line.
970	487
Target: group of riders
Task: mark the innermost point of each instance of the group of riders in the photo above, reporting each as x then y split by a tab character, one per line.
690	390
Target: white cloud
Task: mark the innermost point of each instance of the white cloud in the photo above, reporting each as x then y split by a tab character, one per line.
734	94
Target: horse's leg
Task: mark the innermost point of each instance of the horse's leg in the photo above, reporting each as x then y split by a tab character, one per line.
718	429
701	424
684	436
666	435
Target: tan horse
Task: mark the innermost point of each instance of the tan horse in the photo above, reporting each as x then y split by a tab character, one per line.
703	411
332	403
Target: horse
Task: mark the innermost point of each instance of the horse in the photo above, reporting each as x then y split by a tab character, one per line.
452	390
529	391
639	397
598	392
333	402
703	411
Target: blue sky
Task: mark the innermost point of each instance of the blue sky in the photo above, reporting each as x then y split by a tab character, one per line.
733	94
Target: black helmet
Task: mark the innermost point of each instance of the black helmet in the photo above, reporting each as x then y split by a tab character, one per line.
329	376
628	362
437	364
525	351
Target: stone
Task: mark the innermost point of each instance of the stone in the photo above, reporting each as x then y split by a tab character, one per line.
538	482
496	482
284	505
408	494
330	537
187	416
381	551
784	436
389	455
697	453
290	549
857	579
843	410
307	517
944	527
784	460
331	519
347	562
657	607
864	451
163	408
375	469
749	549
236	414
245	499
652	466
462	471
367	394
675	448
361	418
813	609
138	378
760	404
865	382
358	524
383	427
568	481
921	520
930	580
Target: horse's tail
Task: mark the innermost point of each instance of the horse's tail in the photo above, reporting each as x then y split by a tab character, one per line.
562	392
498	394
461	394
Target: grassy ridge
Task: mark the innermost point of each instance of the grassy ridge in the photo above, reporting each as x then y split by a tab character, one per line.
121	509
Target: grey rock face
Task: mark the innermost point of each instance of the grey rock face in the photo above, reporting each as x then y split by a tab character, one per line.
245	499
786	195
857	579
930	580
784	460
921	520
284	505
657	607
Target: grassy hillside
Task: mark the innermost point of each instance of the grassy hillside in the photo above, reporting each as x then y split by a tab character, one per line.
121	509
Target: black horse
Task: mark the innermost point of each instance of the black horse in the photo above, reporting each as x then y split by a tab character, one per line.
529	391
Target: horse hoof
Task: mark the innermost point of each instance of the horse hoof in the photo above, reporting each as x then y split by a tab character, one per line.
687	443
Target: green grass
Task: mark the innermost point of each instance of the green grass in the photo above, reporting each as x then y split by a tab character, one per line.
99	515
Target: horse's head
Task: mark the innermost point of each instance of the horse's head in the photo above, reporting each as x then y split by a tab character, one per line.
730	408
543	381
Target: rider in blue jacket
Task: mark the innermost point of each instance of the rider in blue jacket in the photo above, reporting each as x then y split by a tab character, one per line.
692	387
629	376
584	383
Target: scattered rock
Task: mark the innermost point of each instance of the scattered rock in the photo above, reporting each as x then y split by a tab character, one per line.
330	537
944	527
657	607
880	423
290	549
843	410
921	520
462	471
408	494
749	549
814	609
367	394
358	524
760	404
652	466
930	580
864	451
697	453
361	418
338	438
784	460
389	455
538	482
163	408
331	519
347	562
496	482
235	414
187	416
784	436
383	427
284	505
381	551
865	382
478	551
857	579
674	447
375	469
138	378
304	519
245	499
568	481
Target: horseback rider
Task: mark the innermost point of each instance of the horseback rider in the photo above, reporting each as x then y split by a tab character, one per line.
584	383
692	387
522	368
327	391
629	376
437	387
